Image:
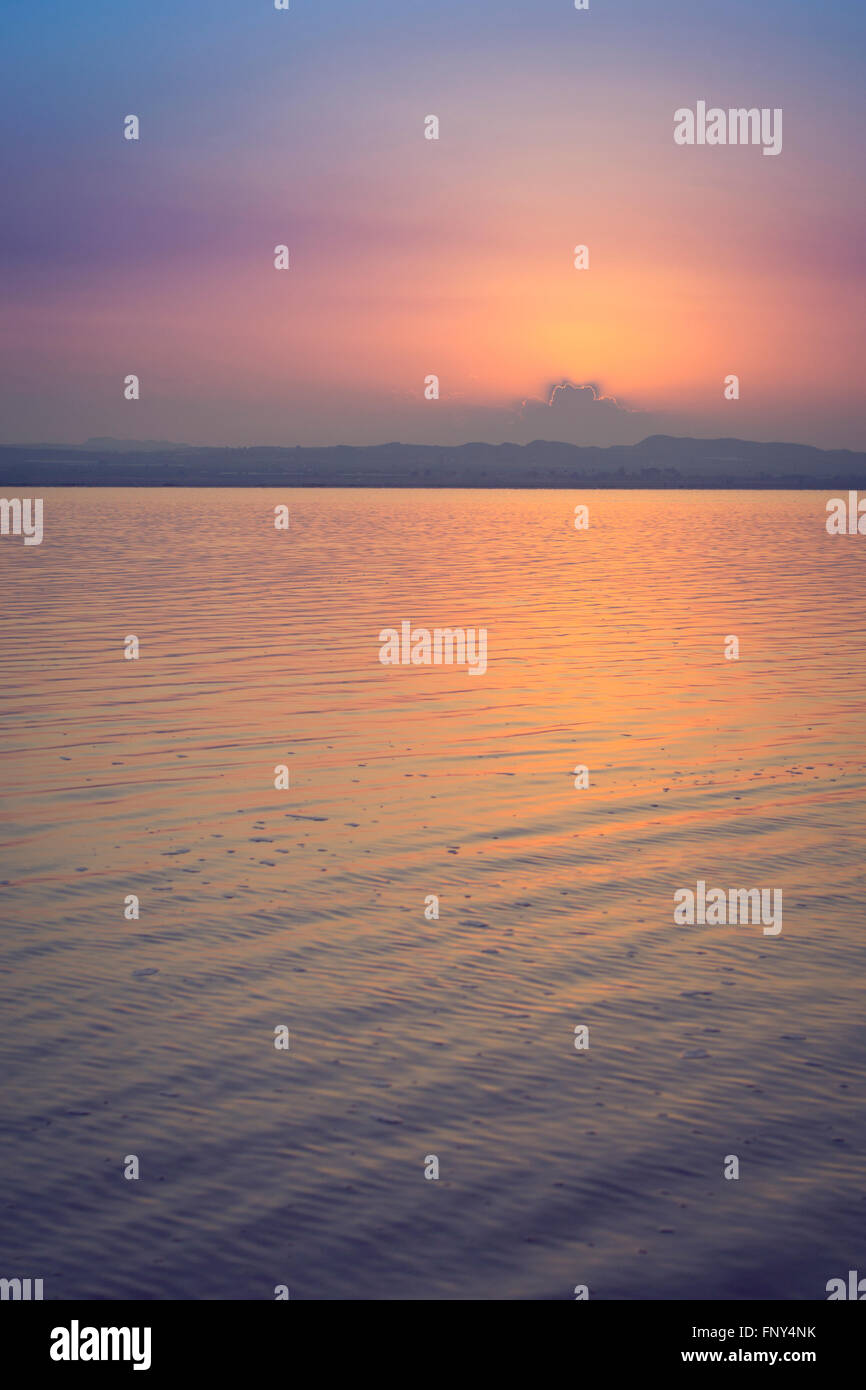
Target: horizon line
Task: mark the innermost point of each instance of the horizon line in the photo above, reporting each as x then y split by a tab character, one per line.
96	441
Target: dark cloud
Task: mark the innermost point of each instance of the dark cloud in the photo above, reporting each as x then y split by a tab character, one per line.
582	414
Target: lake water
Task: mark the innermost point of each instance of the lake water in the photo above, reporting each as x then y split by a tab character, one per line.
305	907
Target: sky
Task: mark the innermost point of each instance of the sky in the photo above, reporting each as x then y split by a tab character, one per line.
412	257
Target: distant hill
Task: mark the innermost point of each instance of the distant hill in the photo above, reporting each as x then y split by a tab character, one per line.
662	461
131	446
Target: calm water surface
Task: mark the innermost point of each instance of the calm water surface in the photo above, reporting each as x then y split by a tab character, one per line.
306	907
